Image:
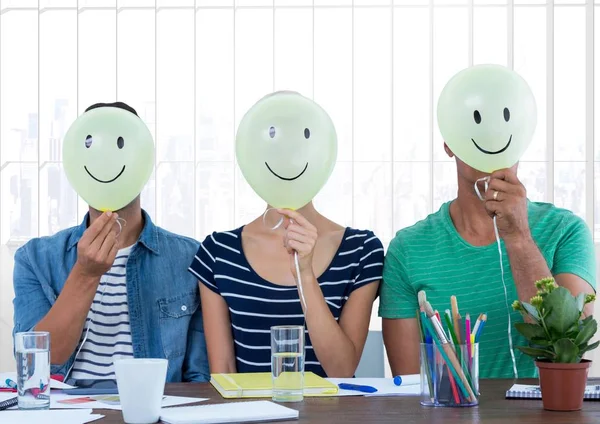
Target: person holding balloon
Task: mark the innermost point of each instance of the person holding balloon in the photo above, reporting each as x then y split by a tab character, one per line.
292	266
490	244
115	286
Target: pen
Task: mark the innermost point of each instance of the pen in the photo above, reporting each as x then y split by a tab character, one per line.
11	384
357	388
9	403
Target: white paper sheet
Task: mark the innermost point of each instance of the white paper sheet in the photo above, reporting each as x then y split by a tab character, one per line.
55	402
54	384
235	412
56	397
81	416
411	386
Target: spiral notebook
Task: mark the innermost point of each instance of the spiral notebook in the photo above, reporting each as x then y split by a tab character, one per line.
523	391
236	412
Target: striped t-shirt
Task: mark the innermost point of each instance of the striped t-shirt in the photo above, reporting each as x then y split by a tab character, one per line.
432	256
109	335
255	304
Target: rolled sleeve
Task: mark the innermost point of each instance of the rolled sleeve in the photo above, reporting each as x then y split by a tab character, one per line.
575	252
398	298
30	303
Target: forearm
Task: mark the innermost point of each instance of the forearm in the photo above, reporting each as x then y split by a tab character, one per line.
217	332
335	351
528	265
66	318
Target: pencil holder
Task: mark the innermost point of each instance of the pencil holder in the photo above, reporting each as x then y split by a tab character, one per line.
449	375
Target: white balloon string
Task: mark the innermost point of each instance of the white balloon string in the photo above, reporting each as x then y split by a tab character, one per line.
296	260
486	181
121	225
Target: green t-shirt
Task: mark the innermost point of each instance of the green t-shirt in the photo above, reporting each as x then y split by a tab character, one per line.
432	256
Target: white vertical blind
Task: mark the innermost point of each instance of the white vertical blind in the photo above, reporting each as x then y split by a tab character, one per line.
192	68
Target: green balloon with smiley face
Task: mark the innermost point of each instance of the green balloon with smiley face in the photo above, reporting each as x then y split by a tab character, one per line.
286	147
487	116
108	156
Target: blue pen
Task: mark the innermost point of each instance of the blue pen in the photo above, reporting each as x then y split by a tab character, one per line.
357	388
11	384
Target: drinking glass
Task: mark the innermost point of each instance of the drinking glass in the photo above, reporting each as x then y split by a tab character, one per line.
287	363
33	369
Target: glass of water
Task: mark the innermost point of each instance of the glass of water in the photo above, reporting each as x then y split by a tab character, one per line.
287	363
33	369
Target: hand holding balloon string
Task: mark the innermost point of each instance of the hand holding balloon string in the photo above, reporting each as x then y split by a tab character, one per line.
506	199
300	240
99	244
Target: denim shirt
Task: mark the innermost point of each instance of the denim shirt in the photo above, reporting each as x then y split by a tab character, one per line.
163	297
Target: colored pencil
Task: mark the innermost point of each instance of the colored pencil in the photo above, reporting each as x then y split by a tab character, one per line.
453	385
477	324
468	338
480	329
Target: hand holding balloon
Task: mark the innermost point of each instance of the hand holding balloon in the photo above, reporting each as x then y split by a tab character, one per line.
301	237
98	247
506	198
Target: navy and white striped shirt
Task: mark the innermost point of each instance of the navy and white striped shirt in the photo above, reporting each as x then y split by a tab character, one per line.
255	304
109	334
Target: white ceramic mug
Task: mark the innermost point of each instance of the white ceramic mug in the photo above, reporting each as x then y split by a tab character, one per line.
141	384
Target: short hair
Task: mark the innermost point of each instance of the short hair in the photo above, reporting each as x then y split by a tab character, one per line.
119	105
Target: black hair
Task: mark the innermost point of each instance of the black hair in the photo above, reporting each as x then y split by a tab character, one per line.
119	105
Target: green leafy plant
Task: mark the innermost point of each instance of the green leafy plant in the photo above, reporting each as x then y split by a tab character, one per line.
554	324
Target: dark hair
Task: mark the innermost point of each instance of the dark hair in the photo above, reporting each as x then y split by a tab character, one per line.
120	105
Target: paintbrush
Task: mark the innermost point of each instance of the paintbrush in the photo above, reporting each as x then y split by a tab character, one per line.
455	318
427	339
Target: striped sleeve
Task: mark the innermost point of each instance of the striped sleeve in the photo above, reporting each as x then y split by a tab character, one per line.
203	264
575	253
370	265
398	298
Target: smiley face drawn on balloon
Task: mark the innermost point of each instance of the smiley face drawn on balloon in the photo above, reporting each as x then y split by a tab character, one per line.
487	116
108	156
286	147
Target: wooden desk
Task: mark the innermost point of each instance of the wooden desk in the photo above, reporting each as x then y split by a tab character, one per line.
493	408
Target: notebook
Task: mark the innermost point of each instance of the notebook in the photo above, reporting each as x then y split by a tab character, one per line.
260	384
236	412
522	391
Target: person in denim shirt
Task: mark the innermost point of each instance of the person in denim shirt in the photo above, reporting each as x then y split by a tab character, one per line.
66	284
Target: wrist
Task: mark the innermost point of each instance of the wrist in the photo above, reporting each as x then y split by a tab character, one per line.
82	276
307	275
519	241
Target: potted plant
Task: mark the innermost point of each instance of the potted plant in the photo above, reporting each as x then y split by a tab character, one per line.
558	336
